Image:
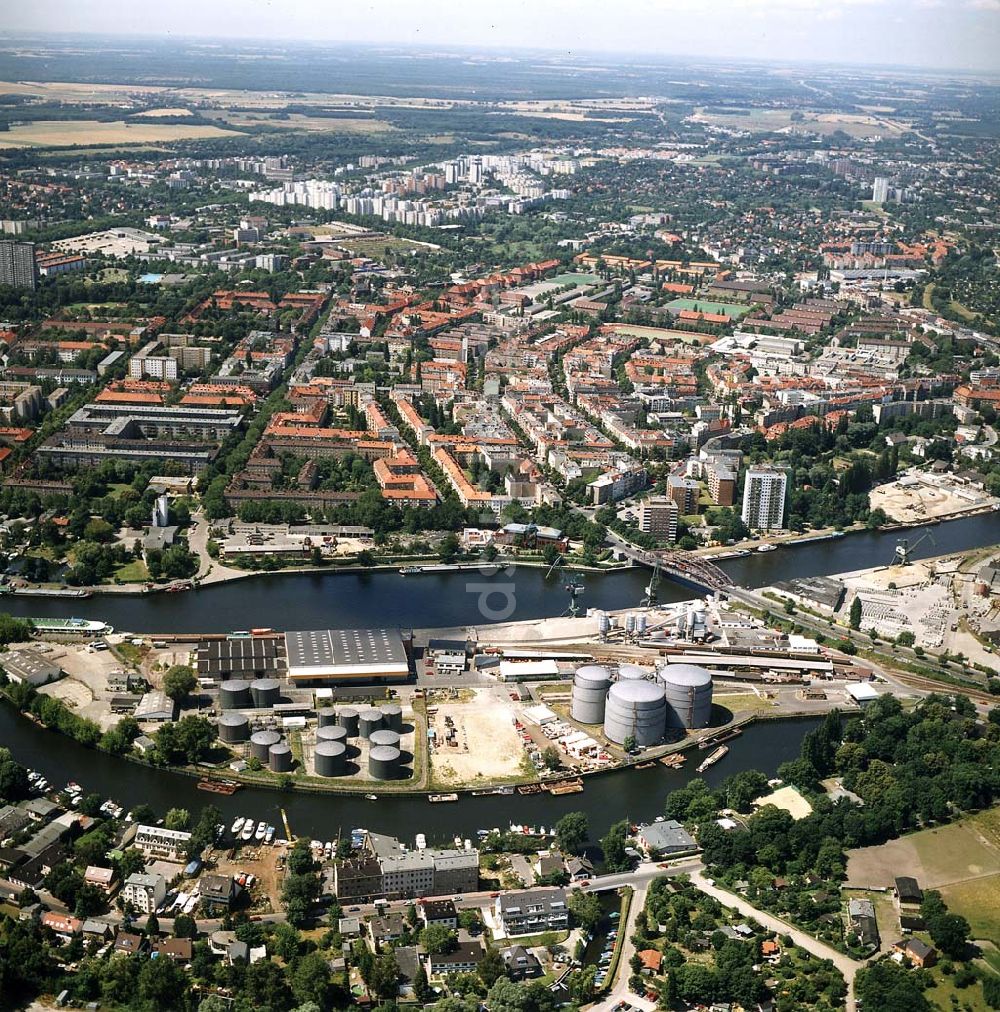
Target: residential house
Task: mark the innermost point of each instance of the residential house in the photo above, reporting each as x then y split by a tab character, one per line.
519	963
531	911
438	912
157	841
128	944
464	958
861	913
651	959
63	925
145	892
667	837
917	952
217	891
383	930
100	878
177	949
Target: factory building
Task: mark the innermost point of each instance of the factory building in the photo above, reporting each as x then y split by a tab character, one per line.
322	656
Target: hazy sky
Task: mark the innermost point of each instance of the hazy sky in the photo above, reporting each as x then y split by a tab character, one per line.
929	33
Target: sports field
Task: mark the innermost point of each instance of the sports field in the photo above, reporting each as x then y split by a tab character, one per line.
730	309
576	279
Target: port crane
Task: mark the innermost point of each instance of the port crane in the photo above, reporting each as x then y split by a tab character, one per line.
901	556
573	587
649	598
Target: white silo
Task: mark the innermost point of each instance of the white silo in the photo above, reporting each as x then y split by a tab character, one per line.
590	689
688	692
635	709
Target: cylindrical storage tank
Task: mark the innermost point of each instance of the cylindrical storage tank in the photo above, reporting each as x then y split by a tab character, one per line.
384	737
347	717
640	625
590	689
234	694
630	623
280	759
332	732
264	691
603	623
392	717
688	692
330	758
368	721
261	742
234	728
326	718
631	673
635	709
384	762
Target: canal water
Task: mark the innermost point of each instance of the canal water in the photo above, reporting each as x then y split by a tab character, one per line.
438	600
638	795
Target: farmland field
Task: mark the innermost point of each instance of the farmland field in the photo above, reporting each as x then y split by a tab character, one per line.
769	120
978	901
57	133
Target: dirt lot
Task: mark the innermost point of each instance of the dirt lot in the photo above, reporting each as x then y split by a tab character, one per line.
85	686
913	498
961	852
263	863
488	747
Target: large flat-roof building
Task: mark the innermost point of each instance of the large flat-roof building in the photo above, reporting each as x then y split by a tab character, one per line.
29	666
317	656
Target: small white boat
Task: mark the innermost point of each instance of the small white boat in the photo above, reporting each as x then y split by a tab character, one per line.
237	826
248	828
269	837
261	831
371	797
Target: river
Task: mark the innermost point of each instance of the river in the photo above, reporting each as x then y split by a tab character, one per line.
636	794
441	600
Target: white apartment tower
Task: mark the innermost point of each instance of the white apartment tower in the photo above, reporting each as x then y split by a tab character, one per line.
880	190
764	499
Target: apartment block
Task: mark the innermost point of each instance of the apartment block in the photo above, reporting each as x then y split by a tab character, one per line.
658	516
144	892
764	492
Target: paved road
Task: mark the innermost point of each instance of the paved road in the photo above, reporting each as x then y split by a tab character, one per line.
847	966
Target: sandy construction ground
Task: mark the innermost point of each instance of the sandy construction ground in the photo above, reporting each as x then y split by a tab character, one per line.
914	498
488	748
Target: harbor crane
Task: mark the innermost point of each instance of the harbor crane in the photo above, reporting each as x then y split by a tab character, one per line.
574	588
558	561
902	555
649	598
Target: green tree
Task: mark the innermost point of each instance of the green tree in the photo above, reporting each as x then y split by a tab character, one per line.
491	966
179	682
572	831
177	818
855	616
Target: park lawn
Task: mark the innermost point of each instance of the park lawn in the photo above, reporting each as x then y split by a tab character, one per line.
978	901
132	572
729	309
963	311
116	488
928	298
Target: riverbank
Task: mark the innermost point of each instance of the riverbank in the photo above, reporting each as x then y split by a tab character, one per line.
426	565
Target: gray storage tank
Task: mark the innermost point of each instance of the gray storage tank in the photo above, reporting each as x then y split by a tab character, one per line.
384	762
347	717
265	691
280	759
392	717
631	672
368	721
261	742
234	728
326	718
635	709
384	737
234	694
330	758
590	690
332	732
688	691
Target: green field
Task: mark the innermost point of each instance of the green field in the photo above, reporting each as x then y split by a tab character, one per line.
731	310
978	901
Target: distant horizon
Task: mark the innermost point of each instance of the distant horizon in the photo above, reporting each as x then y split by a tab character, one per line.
664	56
954	36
